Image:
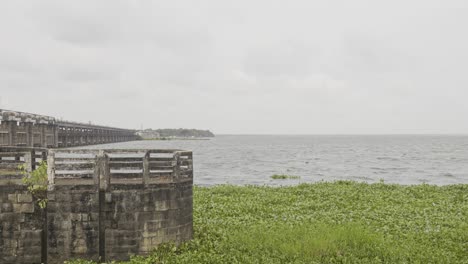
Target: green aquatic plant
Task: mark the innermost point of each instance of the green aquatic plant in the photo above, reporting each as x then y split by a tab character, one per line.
311	242
340	222
284	177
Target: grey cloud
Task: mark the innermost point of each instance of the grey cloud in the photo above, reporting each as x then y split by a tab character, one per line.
280	60
247	66
84	23
82	33
87	75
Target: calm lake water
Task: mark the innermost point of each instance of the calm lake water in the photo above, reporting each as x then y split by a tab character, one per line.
253	159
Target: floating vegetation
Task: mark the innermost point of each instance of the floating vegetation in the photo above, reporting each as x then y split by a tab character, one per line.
340	222
284	177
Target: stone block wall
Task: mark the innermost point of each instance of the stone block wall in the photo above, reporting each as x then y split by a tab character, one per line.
99	208
139	217
129	219
73	223
21	225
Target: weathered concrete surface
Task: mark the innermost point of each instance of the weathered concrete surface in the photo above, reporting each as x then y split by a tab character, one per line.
73	223
138	218
21	225
109	213
133	219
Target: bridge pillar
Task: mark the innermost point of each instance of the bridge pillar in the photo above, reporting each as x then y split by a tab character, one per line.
36	135
12	125
56	136
71	137
29	133
74	137
43	135
49	135
76	132
81	137
96	136
62	137
66	137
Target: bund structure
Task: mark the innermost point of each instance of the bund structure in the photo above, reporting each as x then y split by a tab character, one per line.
18	129
102	205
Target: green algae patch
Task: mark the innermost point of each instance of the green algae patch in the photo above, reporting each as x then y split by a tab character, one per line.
339	222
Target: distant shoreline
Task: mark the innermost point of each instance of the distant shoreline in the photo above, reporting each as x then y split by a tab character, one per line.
173	138
347	135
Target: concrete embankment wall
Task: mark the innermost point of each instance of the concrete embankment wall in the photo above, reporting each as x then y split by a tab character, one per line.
101	206
21	226
127	219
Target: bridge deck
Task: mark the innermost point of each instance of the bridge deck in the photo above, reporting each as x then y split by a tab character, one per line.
32	130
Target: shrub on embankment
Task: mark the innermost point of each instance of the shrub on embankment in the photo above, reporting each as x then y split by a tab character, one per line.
341	222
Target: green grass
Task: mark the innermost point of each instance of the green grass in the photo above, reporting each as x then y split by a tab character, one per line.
341	222
284	177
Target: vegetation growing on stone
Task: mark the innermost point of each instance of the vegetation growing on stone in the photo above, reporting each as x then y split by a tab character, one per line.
340	222
37	182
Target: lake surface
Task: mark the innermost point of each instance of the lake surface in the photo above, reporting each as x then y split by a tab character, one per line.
243	160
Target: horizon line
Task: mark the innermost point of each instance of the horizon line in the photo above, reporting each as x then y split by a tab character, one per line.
344	134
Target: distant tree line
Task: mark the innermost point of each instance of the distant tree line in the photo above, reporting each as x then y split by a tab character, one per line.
183	132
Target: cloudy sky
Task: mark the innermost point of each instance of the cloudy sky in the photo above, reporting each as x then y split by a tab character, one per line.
244	66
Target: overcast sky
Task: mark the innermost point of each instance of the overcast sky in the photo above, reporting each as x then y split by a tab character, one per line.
261	67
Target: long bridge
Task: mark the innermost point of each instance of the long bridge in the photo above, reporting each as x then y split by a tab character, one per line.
18	129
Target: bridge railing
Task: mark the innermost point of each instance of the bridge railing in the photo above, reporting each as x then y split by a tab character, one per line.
18	129
108	167
90	167
11	158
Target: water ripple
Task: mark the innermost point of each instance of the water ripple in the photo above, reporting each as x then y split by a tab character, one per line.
253	159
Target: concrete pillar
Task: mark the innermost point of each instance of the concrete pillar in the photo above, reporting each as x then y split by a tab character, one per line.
95	136
146	168
56	137
29	134
102	179
72	137
65	137
12	125
51	170
43	135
